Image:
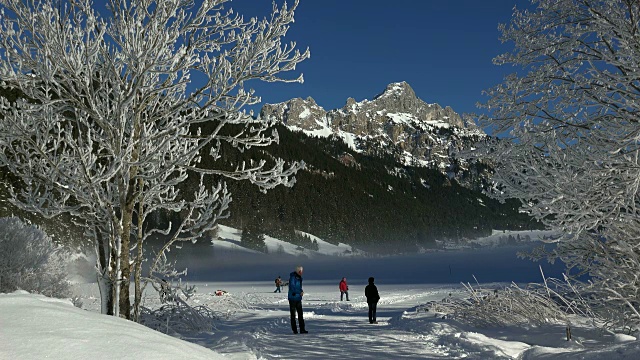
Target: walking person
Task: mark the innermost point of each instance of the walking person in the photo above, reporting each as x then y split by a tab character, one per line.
344	288
278	284
371	292
295	300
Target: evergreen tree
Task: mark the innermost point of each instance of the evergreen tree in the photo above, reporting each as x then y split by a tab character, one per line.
253	235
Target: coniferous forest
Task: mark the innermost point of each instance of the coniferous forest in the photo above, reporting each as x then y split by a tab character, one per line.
360	201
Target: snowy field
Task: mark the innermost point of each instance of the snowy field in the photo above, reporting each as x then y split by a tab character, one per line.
253	321
254	324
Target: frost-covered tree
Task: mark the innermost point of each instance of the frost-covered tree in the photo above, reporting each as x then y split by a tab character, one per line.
29	260
570	127
110	123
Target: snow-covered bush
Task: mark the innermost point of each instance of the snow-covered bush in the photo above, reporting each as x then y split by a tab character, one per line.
179	316
551	302
512	305
29	260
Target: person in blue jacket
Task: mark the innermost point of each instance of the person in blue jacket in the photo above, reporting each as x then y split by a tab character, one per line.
295	300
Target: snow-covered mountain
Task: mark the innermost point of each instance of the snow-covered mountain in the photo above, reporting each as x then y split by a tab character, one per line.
395	122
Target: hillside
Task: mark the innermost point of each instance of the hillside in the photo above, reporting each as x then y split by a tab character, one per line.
227	238
371	202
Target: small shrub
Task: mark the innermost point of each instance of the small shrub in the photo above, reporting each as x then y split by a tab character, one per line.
30	261
551	302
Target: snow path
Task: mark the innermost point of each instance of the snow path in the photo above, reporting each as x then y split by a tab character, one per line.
254	324
340	328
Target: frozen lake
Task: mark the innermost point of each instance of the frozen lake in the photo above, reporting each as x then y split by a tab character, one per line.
500	264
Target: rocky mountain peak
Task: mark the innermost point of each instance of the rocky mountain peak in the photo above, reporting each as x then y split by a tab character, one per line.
419	132
297	112
397	90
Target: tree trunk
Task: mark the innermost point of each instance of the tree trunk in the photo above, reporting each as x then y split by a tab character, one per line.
127	217
138	291
125	266
106	294
138	263
114	273
104	280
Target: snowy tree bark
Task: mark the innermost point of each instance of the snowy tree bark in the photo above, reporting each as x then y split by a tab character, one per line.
103	256
110	122
570	133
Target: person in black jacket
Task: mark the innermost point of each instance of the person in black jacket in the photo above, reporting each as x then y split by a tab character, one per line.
371	292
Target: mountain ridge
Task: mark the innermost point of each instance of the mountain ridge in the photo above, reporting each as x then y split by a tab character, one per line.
395	122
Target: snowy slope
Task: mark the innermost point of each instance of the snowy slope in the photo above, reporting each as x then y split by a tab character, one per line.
497	236
331	249
38	327
229	238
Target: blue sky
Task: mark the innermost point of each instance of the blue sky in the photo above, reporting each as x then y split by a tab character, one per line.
442	48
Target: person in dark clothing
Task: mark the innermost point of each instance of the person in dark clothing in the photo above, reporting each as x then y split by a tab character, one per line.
344	288
371	292
295	300
278	284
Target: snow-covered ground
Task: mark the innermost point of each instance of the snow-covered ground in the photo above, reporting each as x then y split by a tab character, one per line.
257	326
38	327
228	238
500	237
253	321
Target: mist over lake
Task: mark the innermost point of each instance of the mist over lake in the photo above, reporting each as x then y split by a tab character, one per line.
498	264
